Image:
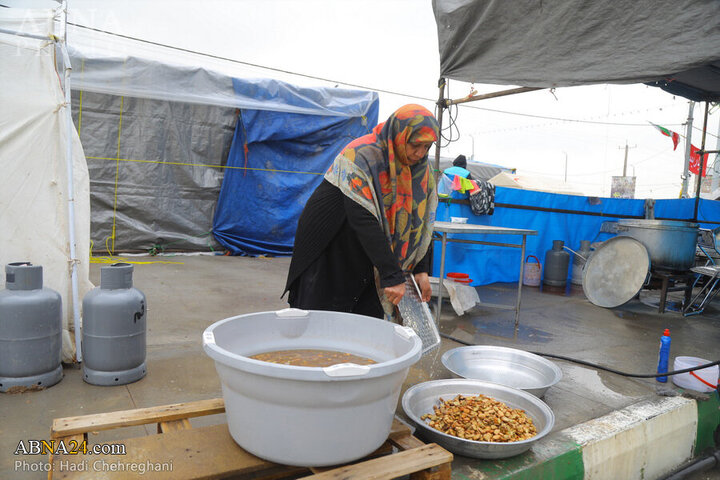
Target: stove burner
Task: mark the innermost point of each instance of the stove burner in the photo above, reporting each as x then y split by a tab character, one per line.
670	281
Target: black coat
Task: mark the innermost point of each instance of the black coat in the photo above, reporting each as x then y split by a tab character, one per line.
337	243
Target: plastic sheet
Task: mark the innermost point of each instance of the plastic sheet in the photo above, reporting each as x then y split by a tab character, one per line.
516	208
557	44
115	65
161	162
262	197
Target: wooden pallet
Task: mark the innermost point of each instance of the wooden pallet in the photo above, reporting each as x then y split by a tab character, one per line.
211	453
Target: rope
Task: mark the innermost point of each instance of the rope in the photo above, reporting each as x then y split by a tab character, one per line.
184	164
110	258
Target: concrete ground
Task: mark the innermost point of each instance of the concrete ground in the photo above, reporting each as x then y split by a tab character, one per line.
189	293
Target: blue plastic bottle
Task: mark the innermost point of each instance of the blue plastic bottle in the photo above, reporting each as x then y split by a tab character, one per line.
664	356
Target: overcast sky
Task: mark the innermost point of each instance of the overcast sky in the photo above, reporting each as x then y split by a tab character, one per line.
391	46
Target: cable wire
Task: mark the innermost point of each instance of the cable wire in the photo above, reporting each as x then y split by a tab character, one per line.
600	367
354	85
250	64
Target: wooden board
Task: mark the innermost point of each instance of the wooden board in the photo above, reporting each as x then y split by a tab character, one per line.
179	451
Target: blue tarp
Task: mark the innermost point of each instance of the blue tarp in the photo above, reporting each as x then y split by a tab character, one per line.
262	196
490	264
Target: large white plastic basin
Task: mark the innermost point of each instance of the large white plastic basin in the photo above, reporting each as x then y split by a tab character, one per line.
310	416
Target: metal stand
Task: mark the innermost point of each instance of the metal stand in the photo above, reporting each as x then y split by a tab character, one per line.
446	227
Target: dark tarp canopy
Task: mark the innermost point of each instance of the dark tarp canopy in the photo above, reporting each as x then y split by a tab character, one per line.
673	44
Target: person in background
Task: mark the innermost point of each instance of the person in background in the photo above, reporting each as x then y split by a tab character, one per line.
370	222
459	168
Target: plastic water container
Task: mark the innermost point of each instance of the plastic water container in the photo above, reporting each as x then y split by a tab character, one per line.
310	416
701	381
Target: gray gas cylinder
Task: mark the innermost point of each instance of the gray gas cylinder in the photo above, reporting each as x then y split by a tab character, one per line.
114	329
30	330
557	261
578	263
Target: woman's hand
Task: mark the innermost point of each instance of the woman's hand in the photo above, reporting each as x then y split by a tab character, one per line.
395	293
423	281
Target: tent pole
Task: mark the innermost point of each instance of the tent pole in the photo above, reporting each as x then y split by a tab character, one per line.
485	96
702	164
71	188
441	109
688	140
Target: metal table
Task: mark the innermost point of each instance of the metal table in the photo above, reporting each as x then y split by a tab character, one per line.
447	227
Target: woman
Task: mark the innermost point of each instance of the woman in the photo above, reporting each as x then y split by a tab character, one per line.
369	222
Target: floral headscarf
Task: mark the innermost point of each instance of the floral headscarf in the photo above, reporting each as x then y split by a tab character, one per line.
374	171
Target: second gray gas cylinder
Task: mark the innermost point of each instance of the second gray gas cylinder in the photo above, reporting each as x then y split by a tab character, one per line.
114	329
579	259
557	261
30	330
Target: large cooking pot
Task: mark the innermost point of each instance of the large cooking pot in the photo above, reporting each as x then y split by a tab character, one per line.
670	243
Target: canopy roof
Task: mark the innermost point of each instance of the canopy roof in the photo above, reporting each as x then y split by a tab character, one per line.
673	44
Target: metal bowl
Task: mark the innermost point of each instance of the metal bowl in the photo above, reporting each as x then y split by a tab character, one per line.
420	399
506	366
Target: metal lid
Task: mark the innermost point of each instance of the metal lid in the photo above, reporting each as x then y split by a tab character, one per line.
615	272
658	224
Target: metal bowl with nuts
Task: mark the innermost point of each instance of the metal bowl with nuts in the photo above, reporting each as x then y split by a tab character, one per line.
420	399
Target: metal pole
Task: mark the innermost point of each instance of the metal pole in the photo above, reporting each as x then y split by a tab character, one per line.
442	275
71	191
702	164
441	108
566	158
716	165
625	163
520	280
688	137
472	98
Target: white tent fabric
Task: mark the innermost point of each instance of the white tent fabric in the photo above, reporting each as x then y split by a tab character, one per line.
34	214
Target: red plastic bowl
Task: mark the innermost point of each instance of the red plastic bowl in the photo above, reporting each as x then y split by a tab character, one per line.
458	275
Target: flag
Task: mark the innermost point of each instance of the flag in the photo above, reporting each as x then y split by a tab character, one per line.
695	161
668	133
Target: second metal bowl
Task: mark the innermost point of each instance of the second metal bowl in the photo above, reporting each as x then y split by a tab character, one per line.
506	366
420	399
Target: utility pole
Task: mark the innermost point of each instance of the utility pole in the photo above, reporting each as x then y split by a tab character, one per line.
688	136
626	157
716	165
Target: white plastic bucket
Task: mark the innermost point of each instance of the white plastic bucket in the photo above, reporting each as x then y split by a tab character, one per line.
310	416
704	380
532	272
